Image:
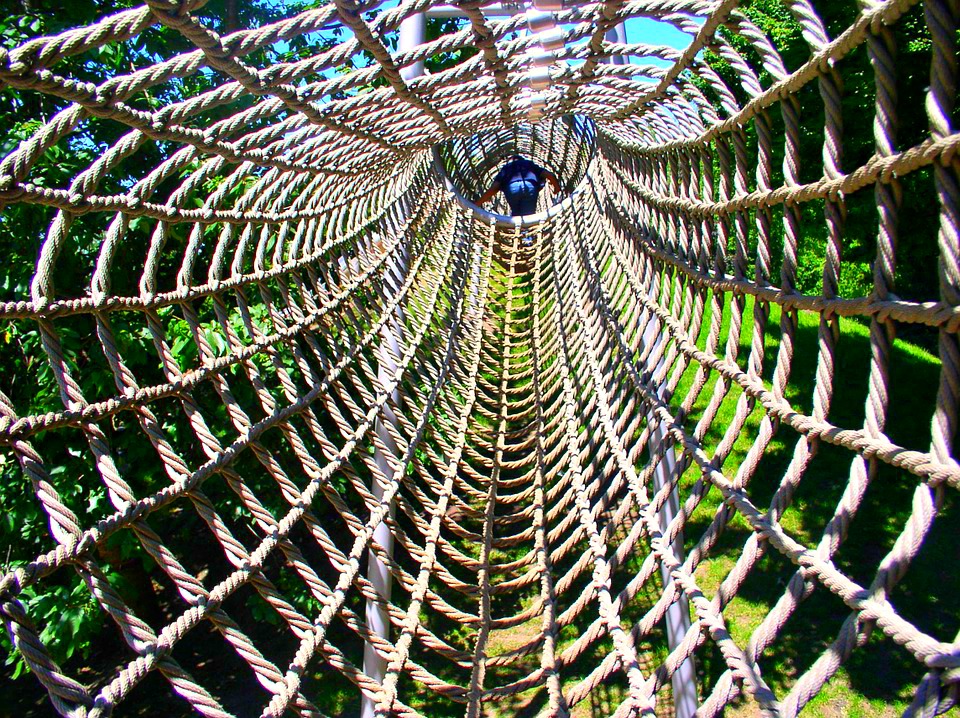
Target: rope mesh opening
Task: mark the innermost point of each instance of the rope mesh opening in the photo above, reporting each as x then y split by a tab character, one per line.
564	146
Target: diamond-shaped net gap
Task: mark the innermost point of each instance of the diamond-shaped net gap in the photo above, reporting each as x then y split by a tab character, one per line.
255	301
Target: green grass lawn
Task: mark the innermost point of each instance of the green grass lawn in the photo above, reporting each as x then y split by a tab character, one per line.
879	678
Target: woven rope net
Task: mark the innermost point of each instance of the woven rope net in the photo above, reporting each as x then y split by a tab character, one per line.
569	425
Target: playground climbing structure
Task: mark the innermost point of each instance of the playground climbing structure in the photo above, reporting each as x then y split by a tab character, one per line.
517	446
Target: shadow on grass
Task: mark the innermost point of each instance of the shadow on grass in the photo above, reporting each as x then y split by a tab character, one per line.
882	672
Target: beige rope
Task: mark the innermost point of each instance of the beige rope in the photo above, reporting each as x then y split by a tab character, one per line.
277	242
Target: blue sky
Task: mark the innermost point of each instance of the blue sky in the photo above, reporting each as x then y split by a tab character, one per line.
638	30
655	32
645	30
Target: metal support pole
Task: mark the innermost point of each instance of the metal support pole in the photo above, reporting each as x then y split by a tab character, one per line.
617	33
450	11
677	618
412	34
378	618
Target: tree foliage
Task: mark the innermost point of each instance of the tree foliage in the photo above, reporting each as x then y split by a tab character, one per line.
68	613
917	247
69	616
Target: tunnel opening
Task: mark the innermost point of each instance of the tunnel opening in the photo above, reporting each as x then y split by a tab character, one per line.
564	145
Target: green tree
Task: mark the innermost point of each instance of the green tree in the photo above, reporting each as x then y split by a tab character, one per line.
68	614
916	249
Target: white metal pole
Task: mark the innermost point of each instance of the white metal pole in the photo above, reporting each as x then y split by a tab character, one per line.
412	34
677	618
449	11
617	33
378	618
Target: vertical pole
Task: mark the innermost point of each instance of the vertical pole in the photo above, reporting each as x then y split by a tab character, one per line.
378	618
617	33
677	618
412	34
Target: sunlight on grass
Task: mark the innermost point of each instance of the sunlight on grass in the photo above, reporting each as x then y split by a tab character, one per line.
855	690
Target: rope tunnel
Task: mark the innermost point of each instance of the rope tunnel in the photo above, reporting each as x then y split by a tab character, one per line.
289	426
